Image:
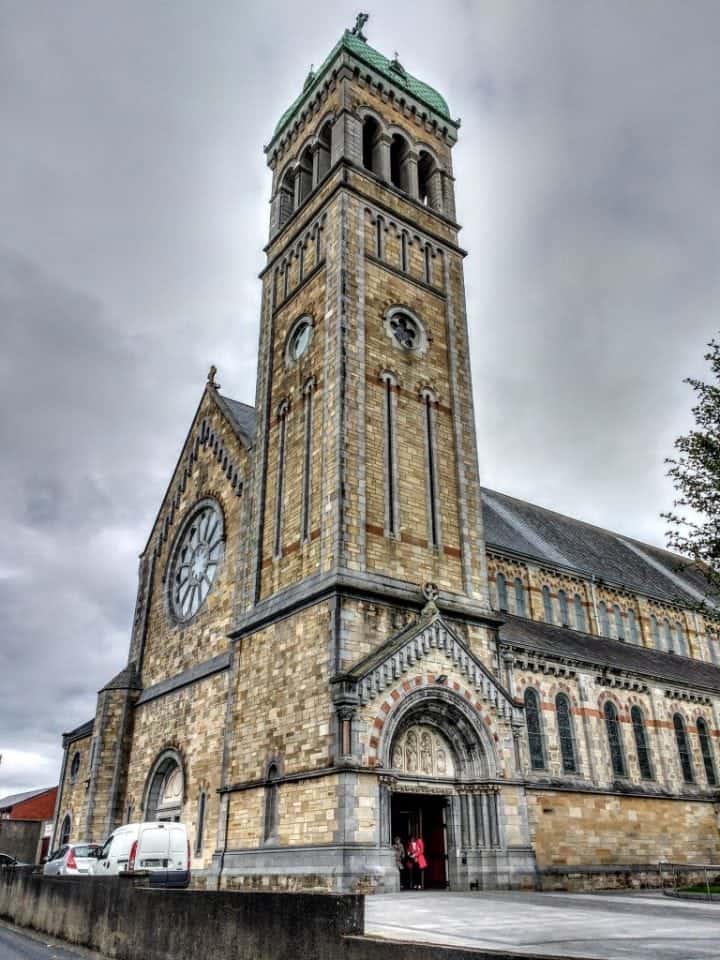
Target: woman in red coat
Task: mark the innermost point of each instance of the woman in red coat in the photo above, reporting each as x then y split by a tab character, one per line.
416	861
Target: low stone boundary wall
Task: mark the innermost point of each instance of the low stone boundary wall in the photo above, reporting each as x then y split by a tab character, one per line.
128	922
125	921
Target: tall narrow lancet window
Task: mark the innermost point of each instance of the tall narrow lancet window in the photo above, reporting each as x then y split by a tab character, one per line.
404	251
519	597
428	263
301	261
534	729
634	633
604	619
286	278
681	645
707	753
272	806
318	244
565	734
307	460
564	611
200	828
280	476
668	637
612	728
431	459
683	746
379	237
547	604
619	622
580	622
502	598
391	477
655	632
641	744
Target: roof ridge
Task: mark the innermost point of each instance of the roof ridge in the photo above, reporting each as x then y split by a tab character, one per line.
585	523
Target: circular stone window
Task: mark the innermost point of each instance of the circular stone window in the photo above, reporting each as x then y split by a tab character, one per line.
196	560
405	330
299	339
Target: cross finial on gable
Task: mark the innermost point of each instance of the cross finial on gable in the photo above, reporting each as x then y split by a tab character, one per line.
211	378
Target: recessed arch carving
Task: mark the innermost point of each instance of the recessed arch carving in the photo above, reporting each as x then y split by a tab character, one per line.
454	723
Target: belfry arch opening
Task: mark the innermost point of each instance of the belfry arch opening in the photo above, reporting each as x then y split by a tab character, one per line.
399	153
371	136
429	181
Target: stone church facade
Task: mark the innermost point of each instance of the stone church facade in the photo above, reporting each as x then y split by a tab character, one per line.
339	636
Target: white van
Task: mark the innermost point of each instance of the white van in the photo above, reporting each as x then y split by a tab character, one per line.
160	848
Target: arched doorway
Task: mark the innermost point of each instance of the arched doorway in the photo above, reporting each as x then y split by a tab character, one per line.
166	787
438	783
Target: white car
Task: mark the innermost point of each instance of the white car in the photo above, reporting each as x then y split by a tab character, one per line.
72	860
162	849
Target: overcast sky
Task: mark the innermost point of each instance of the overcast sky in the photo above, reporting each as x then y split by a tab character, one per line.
133	211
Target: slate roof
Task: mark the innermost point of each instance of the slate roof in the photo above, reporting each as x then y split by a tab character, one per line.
373	58
84	730
242	416
14	799
563	643
523	528
127	679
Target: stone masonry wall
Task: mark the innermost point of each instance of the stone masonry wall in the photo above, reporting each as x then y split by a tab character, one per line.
170	647
192	721
596	829
74	790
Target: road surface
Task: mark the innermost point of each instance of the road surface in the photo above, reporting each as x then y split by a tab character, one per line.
15	945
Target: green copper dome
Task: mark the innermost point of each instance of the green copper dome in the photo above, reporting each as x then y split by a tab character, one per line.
388	68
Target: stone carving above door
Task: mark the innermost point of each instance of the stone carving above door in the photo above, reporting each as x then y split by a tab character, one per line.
422	751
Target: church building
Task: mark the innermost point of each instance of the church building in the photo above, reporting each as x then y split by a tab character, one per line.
340	637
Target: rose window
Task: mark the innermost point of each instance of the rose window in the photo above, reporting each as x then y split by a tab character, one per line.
196	561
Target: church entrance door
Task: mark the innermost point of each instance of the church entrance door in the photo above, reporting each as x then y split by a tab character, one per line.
424	816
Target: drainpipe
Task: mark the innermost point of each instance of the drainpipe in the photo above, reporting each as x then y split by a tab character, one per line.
225	839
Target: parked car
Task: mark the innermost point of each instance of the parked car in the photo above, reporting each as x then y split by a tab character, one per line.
7	861
72	860
162	849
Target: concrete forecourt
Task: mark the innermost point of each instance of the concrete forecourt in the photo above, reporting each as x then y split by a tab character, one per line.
606	927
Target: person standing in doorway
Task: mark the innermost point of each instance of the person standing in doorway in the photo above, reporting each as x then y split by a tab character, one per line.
417	862
399	848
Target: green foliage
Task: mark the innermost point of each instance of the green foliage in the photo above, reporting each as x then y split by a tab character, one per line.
694	530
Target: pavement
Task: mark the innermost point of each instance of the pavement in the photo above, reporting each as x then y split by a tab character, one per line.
16	944
623	926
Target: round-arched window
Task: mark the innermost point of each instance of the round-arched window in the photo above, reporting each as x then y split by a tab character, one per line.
195	560
166	790
75	766
299	339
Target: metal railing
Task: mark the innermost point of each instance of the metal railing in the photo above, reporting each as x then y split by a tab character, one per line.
710	878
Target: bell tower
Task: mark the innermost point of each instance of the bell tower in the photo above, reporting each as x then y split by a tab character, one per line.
366	461
362	614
